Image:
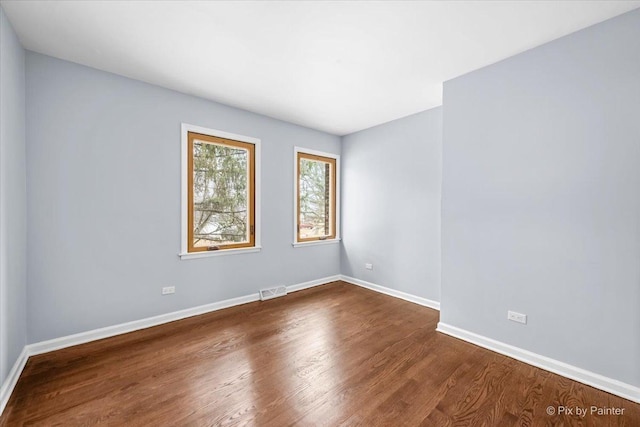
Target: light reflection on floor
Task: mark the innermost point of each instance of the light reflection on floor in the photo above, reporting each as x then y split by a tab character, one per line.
305	366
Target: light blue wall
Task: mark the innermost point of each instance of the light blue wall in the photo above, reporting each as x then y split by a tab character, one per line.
540	210
104	202
541	199
13	204
391	179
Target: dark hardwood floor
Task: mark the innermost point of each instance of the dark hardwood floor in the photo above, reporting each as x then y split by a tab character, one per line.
332	355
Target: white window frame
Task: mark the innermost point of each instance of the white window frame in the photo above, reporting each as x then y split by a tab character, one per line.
336	157
184	251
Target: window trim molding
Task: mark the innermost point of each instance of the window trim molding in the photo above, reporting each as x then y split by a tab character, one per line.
296	243
184	156
317	242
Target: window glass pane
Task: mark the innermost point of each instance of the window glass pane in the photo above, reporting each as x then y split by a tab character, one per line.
220	178
315	199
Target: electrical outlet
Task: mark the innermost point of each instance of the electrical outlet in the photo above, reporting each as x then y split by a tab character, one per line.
517	317
368	266
167	290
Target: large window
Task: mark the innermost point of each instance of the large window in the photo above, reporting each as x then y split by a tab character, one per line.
220	192
316	193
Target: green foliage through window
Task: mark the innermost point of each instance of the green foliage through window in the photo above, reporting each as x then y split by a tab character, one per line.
221	205
316	197
219	194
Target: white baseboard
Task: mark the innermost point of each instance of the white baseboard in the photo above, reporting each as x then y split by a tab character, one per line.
392	292
12	379
123	328
312	283
592	379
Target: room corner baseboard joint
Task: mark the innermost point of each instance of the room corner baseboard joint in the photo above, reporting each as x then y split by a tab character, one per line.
392	292
12	379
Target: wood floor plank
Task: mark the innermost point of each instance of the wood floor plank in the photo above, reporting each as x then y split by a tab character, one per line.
331	355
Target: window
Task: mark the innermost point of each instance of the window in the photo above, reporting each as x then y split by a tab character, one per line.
316	196
221	197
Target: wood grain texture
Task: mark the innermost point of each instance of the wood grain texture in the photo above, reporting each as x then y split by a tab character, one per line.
334	355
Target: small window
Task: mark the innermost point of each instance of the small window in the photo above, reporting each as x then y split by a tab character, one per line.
220	192
316	196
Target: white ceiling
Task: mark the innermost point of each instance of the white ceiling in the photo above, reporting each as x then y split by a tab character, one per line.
334	66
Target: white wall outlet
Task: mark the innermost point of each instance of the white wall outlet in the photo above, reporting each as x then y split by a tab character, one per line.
517	317
368	266
167	290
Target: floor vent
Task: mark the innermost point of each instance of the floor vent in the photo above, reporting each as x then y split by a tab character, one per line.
278	291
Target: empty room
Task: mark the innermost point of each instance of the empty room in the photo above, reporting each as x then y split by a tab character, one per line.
319	213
